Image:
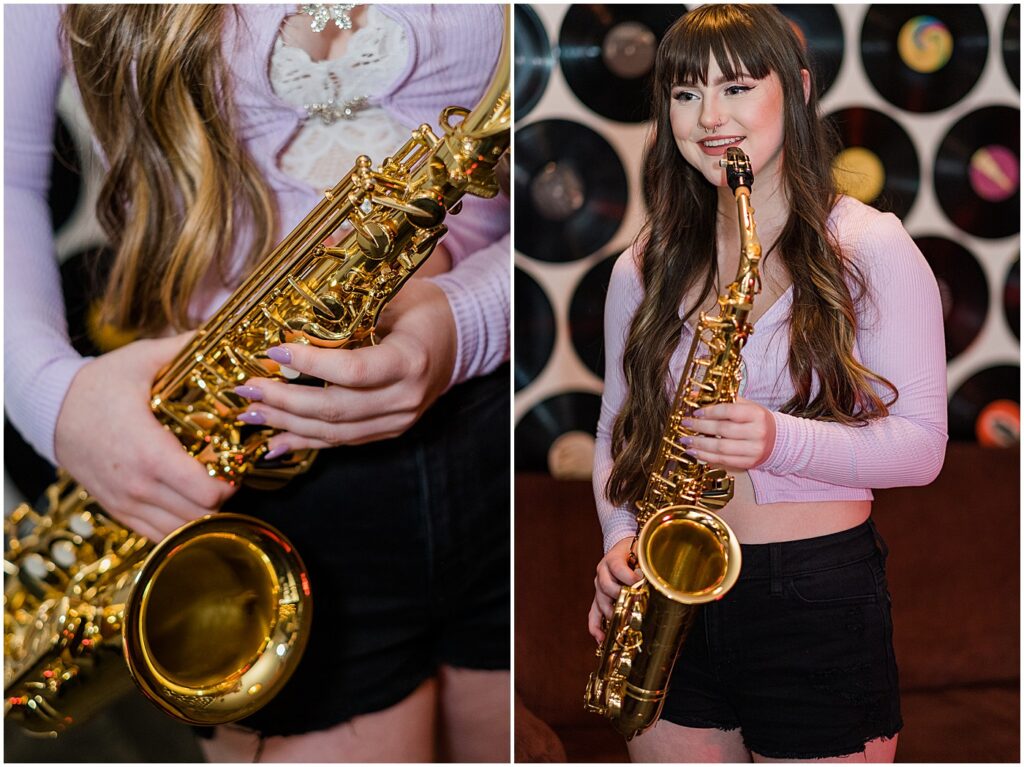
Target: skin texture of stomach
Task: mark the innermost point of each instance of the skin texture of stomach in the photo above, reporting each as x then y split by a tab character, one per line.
788	520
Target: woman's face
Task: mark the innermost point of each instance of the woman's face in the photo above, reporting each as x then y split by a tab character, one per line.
744	112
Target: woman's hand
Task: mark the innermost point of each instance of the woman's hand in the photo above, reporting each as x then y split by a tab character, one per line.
375	392
741	435
613	572
110	442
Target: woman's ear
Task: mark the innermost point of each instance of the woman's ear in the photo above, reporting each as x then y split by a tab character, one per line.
806	77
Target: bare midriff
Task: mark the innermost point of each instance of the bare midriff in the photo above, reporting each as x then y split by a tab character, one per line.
787	520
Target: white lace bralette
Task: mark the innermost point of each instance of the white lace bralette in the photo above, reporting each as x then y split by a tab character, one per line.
335	93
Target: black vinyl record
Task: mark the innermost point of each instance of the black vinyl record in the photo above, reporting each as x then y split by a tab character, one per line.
1011	44
607	54
878	163
533	60
962	288
977	172
986	407
1011	298
66	179
557	435
821	32
924	58
535	330
586	315
571	190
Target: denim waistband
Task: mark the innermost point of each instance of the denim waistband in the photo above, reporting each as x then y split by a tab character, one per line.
762	560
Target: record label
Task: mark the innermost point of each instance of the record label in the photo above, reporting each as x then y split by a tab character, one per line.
982	407
859	173
571	190
977	172
994	173
924	62
878	163
556	435
925	44
607	54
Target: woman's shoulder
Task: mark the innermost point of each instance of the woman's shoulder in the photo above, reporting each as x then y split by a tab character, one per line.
876	241
864	231
626	271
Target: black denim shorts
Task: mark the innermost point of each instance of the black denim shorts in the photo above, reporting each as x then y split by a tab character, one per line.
407	546
798	655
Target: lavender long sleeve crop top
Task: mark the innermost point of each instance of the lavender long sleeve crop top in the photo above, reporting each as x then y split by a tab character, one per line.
899	336
453	50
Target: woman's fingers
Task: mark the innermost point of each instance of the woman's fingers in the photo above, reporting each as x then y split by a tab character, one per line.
595	622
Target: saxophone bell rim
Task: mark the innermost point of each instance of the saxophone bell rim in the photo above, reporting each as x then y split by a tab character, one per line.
258	680
715	527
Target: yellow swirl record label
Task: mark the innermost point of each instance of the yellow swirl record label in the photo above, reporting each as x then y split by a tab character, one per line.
925	44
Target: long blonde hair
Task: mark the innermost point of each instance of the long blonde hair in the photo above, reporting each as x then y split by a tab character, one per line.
180	187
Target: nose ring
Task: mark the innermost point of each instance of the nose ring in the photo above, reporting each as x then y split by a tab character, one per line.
713	128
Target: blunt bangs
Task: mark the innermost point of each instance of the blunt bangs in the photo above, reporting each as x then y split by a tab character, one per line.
728	33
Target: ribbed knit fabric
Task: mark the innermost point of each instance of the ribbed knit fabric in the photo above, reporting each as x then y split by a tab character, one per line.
453	51
899	336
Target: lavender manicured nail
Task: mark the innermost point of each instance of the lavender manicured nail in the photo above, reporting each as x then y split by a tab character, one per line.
276	452
687	440
252	417
280	354
249	392
699	412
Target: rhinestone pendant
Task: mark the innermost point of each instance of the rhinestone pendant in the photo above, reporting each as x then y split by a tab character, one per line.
322	14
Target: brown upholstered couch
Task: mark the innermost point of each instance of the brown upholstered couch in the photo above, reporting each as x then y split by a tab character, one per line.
954	577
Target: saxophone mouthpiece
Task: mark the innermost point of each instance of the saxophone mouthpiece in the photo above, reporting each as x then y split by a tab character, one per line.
737	169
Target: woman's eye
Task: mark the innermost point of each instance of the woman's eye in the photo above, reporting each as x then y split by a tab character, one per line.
735	90
684	96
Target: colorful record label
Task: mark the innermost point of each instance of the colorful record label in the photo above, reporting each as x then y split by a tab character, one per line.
994	172
925	44
859	173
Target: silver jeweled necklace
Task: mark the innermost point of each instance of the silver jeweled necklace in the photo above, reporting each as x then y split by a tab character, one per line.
322	14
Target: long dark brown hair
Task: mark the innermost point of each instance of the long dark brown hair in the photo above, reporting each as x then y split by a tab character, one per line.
180	187
679	250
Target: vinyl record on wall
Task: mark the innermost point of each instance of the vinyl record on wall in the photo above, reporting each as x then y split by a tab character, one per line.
557	436
571	190
1011	298
977	172
962	288
1011	44
535	330
66	182
607	54
821	32
878	164
533	60
924	58
986	407
586	315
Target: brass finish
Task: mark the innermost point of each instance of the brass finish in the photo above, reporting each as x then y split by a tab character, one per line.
213	620
688	555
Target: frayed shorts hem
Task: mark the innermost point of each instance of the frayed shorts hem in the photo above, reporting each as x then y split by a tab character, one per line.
776	753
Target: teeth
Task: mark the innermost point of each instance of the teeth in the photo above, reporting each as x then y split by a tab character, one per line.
721	142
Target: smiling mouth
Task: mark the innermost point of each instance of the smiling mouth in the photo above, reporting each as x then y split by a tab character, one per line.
711	143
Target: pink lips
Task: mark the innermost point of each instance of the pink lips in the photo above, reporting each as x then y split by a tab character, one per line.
718	151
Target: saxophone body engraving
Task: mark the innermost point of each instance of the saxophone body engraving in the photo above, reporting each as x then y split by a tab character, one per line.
213	620
688	555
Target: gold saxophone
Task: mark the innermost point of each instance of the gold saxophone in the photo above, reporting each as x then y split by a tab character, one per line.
212	621
688	555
